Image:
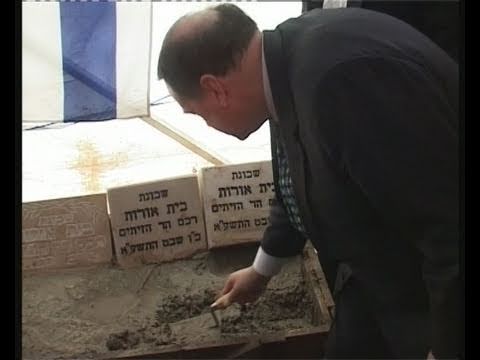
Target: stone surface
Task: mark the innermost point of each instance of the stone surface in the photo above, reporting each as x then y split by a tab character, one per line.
156	221
236	201
63	233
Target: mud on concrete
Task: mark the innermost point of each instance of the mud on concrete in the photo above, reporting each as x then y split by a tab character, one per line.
109	312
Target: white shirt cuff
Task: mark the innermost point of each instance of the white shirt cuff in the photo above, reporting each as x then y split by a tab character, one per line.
268	265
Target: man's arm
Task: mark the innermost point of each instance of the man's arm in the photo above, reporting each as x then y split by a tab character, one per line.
282	241
280	238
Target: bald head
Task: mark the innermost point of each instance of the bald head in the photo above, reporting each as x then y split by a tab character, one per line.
210	41
186	27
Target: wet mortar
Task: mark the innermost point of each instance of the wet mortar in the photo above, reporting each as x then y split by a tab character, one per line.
108	312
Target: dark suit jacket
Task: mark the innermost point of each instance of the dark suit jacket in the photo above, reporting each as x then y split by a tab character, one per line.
368	113
439	20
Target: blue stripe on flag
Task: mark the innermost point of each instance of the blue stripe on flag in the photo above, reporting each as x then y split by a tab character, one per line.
89	65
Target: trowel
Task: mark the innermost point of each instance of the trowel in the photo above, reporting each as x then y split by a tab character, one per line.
215	315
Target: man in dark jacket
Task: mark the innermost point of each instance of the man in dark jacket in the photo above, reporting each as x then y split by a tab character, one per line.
363	113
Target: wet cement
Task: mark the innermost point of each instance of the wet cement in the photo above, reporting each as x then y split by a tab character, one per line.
108	312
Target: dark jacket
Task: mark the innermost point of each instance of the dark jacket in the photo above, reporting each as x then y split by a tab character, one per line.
439	20
368	113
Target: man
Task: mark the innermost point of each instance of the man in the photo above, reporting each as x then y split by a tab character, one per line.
363	114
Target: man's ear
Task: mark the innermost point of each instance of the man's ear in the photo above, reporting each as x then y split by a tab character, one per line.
214	86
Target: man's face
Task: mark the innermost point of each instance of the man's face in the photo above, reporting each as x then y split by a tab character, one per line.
234	118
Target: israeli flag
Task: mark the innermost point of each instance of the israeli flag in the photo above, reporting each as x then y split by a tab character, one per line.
85	60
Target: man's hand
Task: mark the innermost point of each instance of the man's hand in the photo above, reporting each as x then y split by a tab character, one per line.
242	286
